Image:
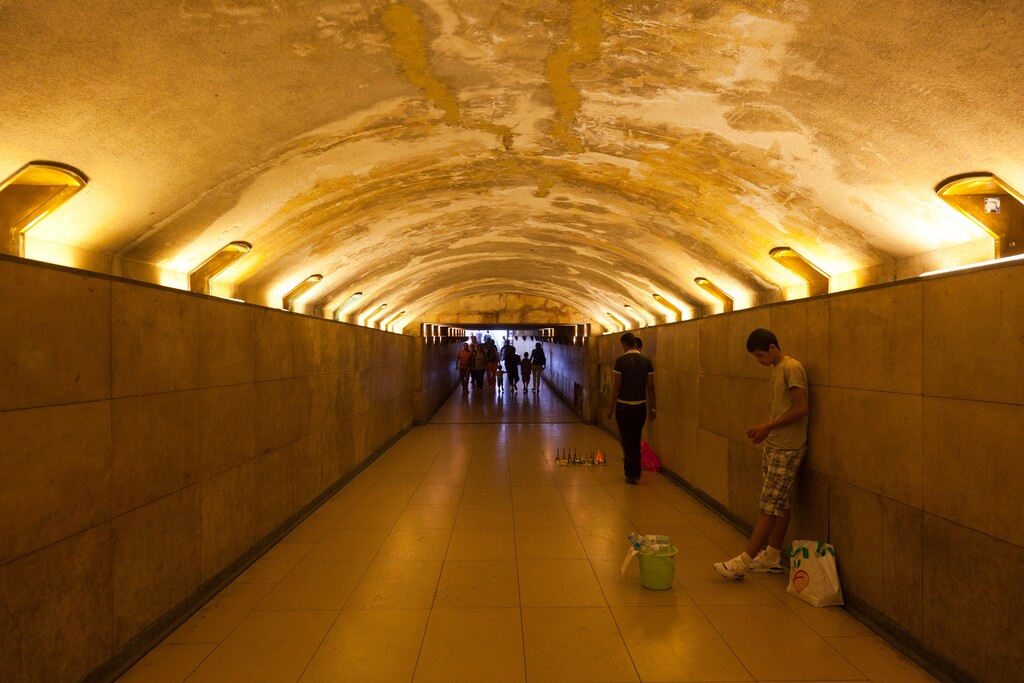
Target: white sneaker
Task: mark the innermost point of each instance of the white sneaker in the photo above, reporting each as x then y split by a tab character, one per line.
731	569
762	565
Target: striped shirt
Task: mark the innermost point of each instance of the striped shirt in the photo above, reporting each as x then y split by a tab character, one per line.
634	368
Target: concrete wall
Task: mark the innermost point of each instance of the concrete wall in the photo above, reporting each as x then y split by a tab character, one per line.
914	470
568	365
438	376
153	441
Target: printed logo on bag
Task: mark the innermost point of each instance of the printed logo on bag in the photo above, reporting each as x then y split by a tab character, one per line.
800	580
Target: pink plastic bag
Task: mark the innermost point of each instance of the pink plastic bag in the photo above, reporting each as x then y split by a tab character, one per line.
649	460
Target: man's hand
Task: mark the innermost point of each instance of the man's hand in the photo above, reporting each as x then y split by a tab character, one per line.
759	433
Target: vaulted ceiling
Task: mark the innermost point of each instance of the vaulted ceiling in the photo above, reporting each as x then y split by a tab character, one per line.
585	152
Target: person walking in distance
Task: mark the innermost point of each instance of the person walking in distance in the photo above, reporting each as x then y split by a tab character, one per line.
784	435
632	402
537	365
525	369
464	361
479	366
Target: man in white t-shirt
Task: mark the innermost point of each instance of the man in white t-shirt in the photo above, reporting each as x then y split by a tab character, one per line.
784	435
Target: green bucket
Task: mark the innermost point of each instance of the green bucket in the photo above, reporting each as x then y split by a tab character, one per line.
658	569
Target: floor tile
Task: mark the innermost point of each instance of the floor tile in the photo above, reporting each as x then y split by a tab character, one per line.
477	583
315	586
414	544
275	563
484	515
370	646
168	663
677	644
559	583
482	544
392	585
878	661
548	543
222	614
575	644
770	640
472	645
267	647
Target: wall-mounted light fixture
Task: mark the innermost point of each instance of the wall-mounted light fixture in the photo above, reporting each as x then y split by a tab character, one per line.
816	278
35	191
636	315
991	204
288	300
368	321
715	291
346	304
390	321
677	314
199	279
618	321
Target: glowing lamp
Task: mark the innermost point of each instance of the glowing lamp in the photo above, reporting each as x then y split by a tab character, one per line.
288	300
990	203
199	279
715	291
35	191
816	278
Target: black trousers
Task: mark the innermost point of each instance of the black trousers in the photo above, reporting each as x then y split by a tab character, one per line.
631	421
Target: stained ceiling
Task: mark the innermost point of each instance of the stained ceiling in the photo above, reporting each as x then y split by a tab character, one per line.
589	153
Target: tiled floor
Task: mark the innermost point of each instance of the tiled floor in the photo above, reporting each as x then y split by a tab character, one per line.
465	554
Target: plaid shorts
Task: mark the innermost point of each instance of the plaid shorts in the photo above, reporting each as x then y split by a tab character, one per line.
780	467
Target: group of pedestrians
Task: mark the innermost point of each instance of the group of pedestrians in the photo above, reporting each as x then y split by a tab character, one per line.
484	364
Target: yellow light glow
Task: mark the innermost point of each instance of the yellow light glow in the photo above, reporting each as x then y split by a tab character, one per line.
638	314
289	299
386	325
991	204
346	304
817	280
971	266
368	320
618	321
199	279
676	314
717	292
33	192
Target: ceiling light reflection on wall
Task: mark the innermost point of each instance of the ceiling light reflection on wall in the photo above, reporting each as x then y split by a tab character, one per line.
816	278
199	279
990	203
33	192
289	299
717	292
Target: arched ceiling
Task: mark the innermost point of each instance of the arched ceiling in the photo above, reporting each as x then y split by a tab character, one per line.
591	152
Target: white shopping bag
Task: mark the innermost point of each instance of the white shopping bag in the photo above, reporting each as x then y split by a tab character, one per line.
812	573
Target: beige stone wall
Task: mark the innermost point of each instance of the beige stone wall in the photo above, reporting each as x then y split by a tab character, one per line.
568	366
914	470
438	376
151	438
